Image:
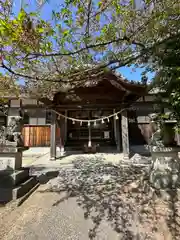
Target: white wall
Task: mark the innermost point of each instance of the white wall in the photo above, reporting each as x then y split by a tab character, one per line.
36	116
29	102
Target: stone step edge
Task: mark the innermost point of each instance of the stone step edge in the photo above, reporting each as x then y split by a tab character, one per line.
24	188
16	178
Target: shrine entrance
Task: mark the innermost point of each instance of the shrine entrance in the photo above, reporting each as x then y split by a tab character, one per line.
95	111
101	132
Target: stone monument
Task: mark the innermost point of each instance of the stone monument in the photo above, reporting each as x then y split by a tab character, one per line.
165	171
14	180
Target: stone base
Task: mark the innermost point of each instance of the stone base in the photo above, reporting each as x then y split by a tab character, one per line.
9	194
15	184
90	149
13	178
125	157
10	160
165	171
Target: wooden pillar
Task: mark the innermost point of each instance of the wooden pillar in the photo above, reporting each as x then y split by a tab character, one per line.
118	136
89	137
62	126
53	137
115	127
125	134
117	133
65	131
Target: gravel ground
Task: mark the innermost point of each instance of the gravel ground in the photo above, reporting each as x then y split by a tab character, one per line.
92	199
38	219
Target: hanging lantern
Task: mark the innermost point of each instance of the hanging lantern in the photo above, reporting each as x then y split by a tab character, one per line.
81	123
102	121
73	122
95	123
108	119
89	124
117	117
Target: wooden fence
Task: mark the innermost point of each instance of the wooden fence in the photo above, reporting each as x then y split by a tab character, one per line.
38	136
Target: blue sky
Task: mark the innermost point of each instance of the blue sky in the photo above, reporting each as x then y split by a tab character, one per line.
46	9
134	75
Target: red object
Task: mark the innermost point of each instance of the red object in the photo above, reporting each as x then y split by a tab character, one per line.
1	58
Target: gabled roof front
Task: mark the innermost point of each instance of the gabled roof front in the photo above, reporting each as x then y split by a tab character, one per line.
109	89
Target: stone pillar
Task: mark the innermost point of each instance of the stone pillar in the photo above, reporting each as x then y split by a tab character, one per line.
125	134
53	137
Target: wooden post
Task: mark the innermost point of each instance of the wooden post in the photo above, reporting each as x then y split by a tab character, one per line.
89	137
118	135
65	131
62	126
115	127
125	134
53	137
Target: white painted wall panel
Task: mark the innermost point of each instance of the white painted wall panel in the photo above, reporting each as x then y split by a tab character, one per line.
15	103
29	102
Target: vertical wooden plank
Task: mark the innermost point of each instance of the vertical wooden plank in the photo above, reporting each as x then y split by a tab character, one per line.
30	136
34	134
26	136
42	132
48	136
45	136
37	136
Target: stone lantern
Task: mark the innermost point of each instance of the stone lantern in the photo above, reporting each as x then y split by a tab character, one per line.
14	179
165	171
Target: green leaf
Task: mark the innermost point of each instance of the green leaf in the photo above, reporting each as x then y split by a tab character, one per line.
21	15
40	30
98	17
66	32
100	4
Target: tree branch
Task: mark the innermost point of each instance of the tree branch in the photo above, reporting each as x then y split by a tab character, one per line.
98	69
88	18
27	76
91	46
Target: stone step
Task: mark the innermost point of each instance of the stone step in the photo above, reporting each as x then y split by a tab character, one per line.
25	187
8	194
13	178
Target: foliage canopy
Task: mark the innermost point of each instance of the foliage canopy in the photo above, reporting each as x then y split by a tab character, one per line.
86	36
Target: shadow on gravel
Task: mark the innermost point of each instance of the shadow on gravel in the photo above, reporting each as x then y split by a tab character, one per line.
120	195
